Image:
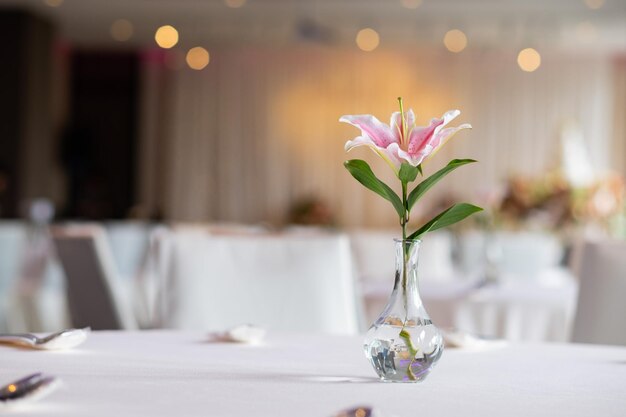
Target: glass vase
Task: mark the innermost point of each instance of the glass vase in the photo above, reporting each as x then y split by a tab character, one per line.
403	344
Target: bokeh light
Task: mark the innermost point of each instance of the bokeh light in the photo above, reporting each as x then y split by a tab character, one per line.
455	40
367	39
197	58
166	36
122	30
529	59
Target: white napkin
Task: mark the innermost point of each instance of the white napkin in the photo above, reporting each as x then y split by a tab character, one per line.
464	340
244	333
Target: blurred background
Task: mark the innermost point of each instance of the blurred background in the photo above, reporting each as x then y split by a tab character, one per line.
157	122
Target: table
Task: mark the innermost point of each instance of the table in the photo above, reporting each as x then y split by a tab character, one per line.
518	311
166	373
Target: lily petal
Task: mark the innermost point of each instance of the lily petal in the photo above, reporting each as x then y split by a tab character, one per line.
381	134
422	135
432	137
402	156
443	136
359	141
448	116
384	153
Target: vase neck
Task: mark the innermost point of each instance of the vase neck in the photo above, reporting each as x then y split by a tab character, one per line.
407	255
406	282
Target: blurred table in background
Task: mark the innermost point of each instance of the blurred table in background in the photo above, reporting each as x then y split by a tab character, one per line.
504	285
512	311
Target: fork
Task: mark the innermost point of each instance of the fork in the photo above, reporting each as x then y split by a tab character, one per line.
65	339
32	387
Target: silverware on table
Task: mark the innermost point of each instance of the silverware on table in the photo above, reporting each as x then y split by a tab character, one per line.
361	411
65	339
30	388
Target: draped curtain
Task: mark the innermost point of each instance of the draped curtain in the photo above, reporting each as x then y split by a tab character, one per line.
257	130
619	115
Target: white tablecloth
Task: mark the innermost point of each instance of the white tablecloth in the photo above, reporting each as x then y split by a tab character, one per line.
180	374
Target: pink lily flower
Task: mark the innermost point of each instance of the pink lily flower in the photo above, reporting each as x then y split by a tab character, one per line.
394	144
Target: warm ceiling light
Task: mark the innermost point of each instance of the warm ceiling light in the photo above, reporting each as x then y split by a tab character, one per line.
367	39
529	59
166	36
455	40
53	3
121	30
197	58
411	4
235	4
594	4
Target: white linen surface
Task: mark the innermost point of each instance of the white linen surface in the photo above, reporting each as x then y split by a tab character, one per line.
172	373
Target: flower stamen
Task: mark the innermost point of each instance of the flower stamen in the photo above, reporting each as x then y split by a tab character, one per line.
403	123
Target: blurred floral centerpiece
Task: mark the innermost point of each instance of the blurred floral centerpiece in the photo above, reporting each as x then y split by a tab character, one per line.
403	344
552	203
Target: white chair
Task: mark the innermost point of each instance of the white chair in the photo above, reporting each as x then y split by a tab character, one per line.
472	253
601	308
129	243
39	301
94	295
282	282
435	258
374	254
13	236
525	255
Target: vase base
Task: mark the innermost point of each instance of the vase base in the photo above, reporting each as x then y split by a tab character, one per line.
393	362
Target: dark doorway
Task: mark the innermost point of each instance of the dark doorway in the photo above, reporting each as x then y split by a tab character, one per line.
98	147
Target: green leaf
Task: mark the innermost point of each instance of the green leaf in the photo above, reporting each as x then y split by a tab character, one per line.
425	185
407	173
454	214
362	172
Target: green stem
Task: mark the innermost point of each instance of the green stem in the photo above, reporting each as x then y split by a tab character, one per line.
406	336
403	221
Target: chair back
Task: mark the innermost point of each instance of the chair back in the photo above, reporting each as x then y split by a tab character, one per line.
601	308
525	255
282	282
13	237
129	242
374	254
93	295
